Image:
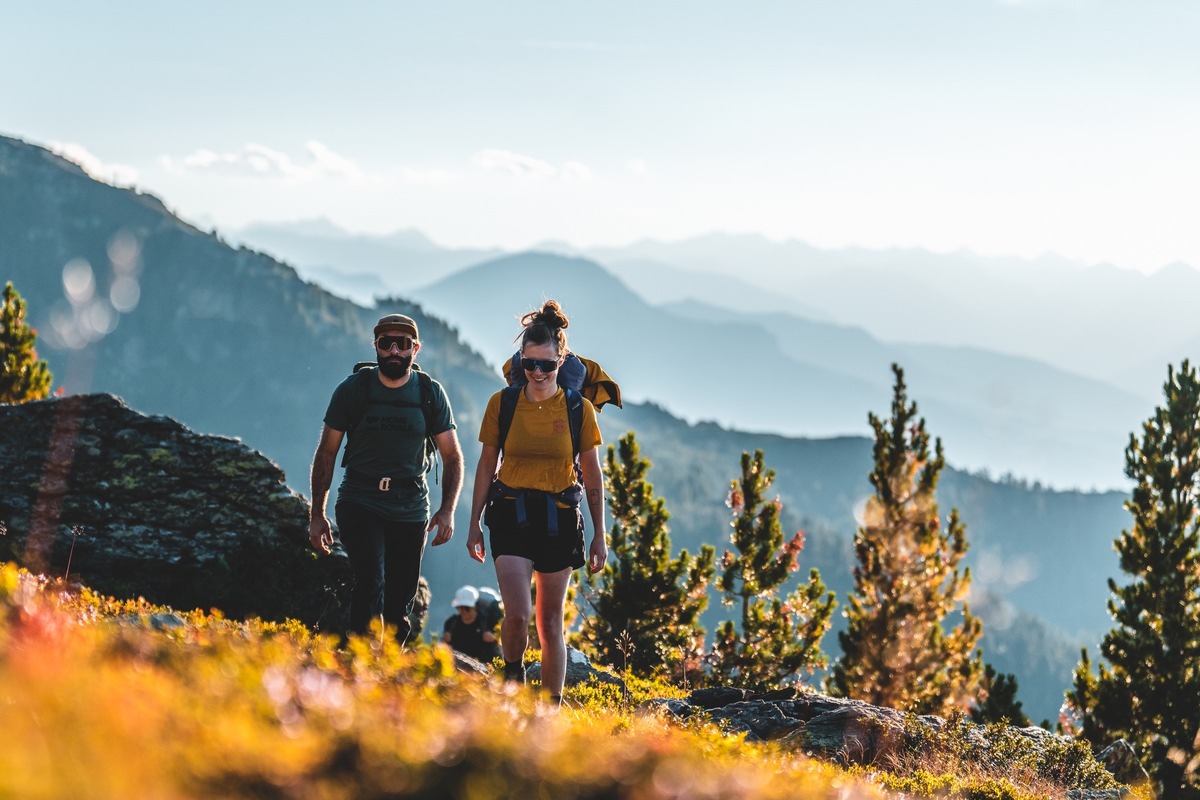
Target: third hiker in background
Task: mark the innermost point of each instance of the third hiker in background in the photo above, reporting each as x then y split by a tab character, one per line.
470	631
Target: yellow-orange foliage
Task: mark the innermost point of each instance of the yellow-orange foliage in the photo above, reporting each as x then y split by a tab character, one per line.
97	700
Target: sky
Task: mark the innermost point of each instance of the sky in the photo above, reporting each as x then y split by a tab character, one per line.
1005	127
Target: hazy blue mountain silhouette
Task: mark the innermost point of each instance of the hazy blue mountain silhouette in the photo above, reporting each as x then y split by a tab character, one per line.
728	372
1096	320
1005	413
361	267
1011	413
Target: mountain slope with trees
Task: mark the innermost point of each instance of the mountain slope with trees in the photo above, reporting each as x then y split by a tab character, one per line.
129	299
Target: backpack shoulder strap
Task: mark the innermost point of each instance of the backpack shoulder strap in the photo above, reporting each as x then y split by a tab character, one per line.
360	399
575	423
508	407
364	373
425	387
428	411
574	417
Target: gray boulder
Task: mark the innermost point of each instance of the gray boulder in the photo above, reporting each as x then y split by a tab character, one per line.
142	506
579	670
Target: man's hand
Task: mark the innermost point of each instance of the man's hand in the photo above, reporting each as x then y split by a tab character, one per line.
443	520
319	534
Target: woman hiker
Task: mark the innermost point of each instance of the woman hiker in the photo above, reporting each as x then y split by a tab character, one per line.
545	441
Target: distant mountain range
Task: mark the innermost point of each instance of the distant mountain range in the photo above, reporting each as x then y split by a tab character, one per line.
129	299
359	267
1037	368
780	373
1110	324
1106	323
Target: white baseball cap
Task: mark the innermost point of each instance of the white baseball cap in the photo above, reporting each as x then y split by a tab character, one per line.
465	596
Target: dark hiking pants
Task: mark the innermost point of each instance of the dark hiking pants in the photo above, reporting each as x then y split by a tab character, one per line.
386	558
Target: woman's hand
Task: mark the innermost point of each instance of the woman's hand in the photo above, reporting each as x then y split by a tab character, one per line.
597	554
475	545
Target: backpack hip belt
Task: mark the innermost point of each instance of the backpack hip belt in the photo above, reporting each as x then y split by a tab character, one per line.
387	484
570	497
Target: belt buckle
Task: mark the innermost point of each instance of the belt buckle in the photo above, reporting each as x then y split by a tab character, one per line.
385	484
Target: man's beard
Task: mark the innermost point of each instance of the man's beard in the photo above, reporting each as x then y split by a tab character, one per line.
395	367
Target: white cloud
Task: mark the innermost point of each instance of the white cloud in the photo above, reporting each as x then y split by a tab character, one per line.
428	177
512	163
638	167
575	171
522	166
257	160
117	174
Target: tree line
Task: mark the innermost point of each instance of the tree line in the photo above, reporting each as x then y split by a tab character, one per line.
899	648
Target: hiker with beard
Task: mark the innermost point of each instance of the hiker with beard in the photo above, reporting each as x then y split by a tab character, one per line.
386	413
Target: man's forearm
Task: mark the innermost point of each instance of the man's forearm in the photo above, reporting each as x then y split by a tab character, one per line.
320	480
452	480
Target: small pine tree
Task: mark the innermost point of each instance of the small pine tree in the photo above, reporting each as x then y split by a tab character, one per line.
775	638
648	605
1077	717
23	376
894	651
1150	693
1000	703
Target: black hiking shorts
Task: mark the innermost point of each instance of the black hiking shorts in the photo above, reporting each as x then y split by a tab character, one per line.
548	552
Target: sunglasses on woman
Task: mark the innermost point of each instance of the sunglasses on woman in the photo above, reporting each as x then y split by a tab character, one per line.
544	364
386	343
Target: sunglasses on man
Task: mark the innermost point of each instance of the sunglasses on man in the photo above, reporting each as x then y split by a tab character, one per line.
386	343
546	365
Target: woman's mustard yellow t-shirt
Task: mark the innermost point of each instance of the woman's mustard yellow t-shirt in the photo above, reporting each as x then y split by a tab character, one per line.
537	453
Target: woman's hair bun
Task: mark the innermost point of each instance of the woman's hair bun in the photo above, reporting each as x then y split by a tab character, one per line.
551	315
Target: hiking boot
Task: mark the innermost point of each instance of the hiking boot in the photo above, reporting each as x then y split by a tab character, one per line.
514	672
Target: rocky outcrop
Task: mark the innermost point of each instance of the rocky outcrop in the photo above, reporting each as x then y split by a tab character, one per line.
142	506
854	732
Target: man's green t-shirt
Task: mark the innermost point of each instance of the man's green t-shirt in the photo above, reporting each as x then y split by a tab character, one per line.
388	441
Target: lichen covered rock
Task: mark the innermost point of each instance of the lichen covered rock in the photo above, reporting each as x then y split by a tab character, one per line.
137	505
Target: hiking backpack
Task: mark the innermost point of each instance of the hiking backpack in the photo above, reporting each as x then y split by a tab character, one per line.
360	399
490	608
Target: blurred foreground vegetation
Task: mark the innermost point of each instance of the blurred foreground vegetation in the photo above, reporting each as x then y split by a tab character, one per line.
110	698
106	698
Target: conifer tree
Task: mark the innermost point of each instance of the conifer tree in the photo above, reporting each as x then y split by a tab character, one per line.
23	376
775	638
1149	694
895	651
647	608
999	703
